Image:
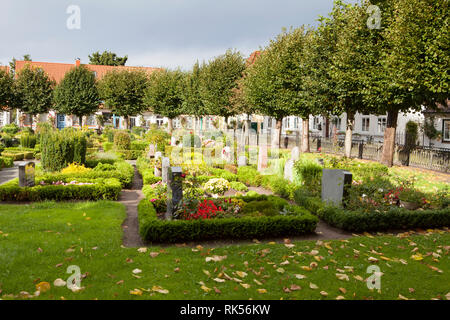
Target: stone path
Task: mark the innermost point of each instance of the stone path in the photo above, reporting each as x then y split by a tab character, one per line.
130	198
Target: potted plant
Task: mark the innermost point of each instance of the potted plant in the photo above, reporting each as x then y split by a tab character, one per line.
410	199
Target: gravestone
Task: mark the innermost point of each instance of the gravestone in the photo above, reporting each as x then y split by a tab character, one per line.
289	170
262	158
173	141
151	151
157	172
26	174
335	185
297	138
242	161
295	154
158	155
165	169
174	191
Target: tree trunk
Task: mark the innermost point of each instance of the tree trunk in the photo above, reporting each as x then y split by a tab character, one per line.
247	132
80	119
387	155
348	134
305	134
125	119
170	125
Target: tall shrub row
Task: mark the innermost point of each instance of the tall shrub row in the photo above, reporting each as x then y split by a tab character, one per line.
60	148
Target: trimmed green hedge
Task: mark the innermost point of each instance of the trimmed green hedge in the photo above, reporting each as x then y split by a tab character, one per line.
149	177
153	229
107	189
130	154
358	221
123	171
6	162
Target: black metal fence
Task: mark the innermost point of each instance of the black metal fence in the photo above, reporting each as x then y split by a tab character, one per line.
437	159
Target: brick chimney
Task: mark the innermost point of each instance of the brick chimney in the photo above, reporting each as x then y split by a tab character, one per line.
77	62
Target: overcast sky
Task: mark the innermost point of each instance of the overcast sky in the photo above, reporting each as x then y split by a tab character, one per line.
157	33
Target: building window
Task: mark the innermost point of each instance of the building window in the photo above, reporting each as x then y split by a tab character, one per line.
295	123
91	120
382	121
445	130
365	124
337	122
316	123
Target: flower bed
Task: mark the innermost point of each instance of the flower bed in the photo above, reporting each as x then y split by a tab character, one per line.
121	170
225	218
376	220
91	189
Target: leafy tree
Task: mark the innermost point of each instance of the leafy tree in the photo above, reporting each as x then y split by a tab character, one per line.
33	91
6	88
273	85
164	94
414	68
218	81
77	93
107	59
124	91
12	64
192	103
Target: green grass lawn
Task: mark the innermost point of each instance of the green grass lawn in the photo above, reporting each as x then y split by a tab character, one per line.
38	242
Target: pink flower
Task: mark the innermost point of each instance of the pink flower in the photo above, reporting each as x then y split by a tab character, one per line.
153	200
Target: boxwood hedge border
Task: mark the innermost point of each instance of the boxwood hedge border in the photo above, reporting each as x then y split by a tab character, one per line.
359	221
153	229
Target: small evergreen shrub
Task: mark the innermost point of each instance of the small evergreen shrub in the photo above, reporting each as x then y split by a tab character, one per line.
28	140
122	140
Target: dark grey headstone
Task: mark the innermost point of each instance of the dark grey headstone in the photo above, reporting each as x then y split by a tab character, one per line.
335	185
26	174
174	191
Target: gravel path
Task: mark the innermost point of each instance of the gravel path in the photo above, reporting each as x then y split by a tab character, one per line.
130	198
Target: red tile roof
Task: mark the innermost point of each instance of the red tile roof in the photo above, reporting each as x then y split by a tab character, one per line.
56	71
4	68
251	60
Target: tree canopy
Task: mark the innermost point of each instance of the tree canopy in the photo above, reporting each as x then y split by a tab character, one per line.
123	92
107	59
273	85
164	94
33	91
6	88
218	80
77	93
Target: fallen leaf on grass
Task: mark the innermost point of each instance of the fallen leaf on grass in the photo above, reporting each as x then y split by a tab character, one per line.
160	290
218	280
313	286
136	292
299	276
43	286
59	283
205	288
343	290
402	297
215	258
142	250
137	271
154	254
417	257
295	287
262	291
241	274
324	293
342	277
280	270
246	286
340	298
